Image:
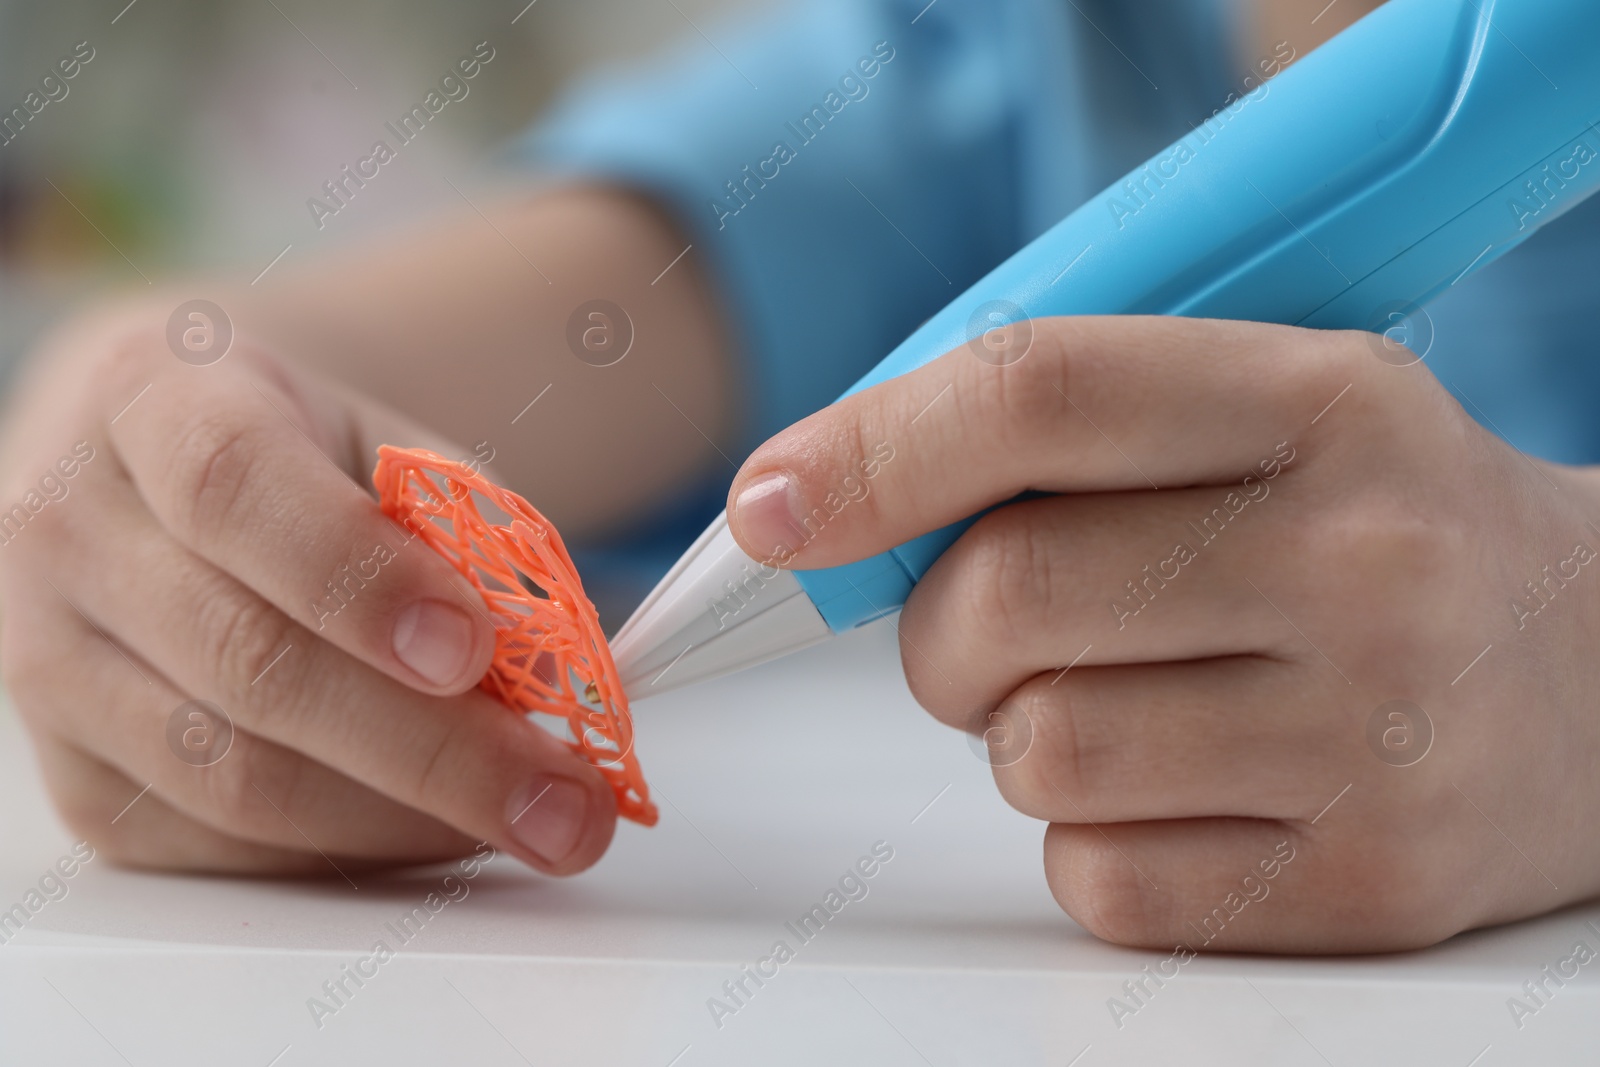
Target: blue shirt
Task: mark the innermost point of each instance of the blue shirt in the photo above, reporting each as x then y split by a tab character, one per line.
844	169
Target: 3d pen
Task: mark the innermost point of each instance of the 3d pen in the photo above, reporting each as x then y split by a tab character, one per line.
1414	148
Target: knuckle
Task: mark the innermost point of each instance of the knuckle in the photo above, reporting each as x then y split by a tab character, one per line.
1382	890
1381	543
1031	790
1341	355
240	791
1014	406
239	632
1391	914
439	777
927	658
53	526
1322	360
1006	575
228	800
1061	348
1052	774
928	689
212	465
127	360
1384	539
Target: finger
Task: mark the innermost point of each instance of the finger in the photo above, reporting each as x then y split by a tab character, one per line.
1097	404
249	466
1238	885
133	828
467	760
73	684
1223	737
1089	579
1155	884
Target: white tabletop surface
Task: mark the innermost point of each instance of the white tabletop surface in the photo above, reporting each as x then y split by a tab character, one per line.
771	784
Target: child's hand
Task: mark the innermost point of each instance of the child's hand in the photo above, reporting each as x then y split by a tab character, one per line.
206	533
1265	535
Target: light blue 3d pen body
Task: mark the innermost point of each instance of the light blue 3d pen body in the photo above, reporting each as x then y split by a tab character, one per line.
1416	147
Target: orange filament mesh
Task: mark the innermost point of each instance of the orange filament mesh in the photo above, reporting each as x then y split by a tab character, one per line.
550	654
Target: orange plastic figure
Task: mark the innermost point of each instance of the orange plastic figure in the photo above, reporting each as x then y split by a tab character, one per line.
550	654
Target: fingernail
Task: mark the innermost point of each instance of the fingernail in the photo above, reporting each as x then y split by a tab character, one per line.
434	639
766	512
548	816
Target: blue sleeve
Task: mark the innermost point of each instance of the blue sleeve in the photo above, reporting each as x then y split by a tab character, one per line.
843	169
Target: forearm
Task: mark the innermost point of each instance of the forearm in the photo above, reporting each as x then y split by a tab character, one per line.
463	322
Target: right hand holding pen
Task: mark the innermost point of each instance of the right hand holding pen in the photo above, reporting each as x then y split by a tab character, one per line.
1264	572
214	541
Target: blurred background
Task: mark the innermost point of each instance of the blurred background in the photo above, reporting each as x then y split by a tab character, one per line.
194	136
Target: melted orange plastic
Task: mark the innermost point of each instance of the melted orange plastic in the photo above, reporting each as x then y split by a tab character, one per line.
550	653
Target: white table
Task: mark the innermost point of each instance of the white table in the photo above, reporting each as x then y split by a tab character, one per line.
956	955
